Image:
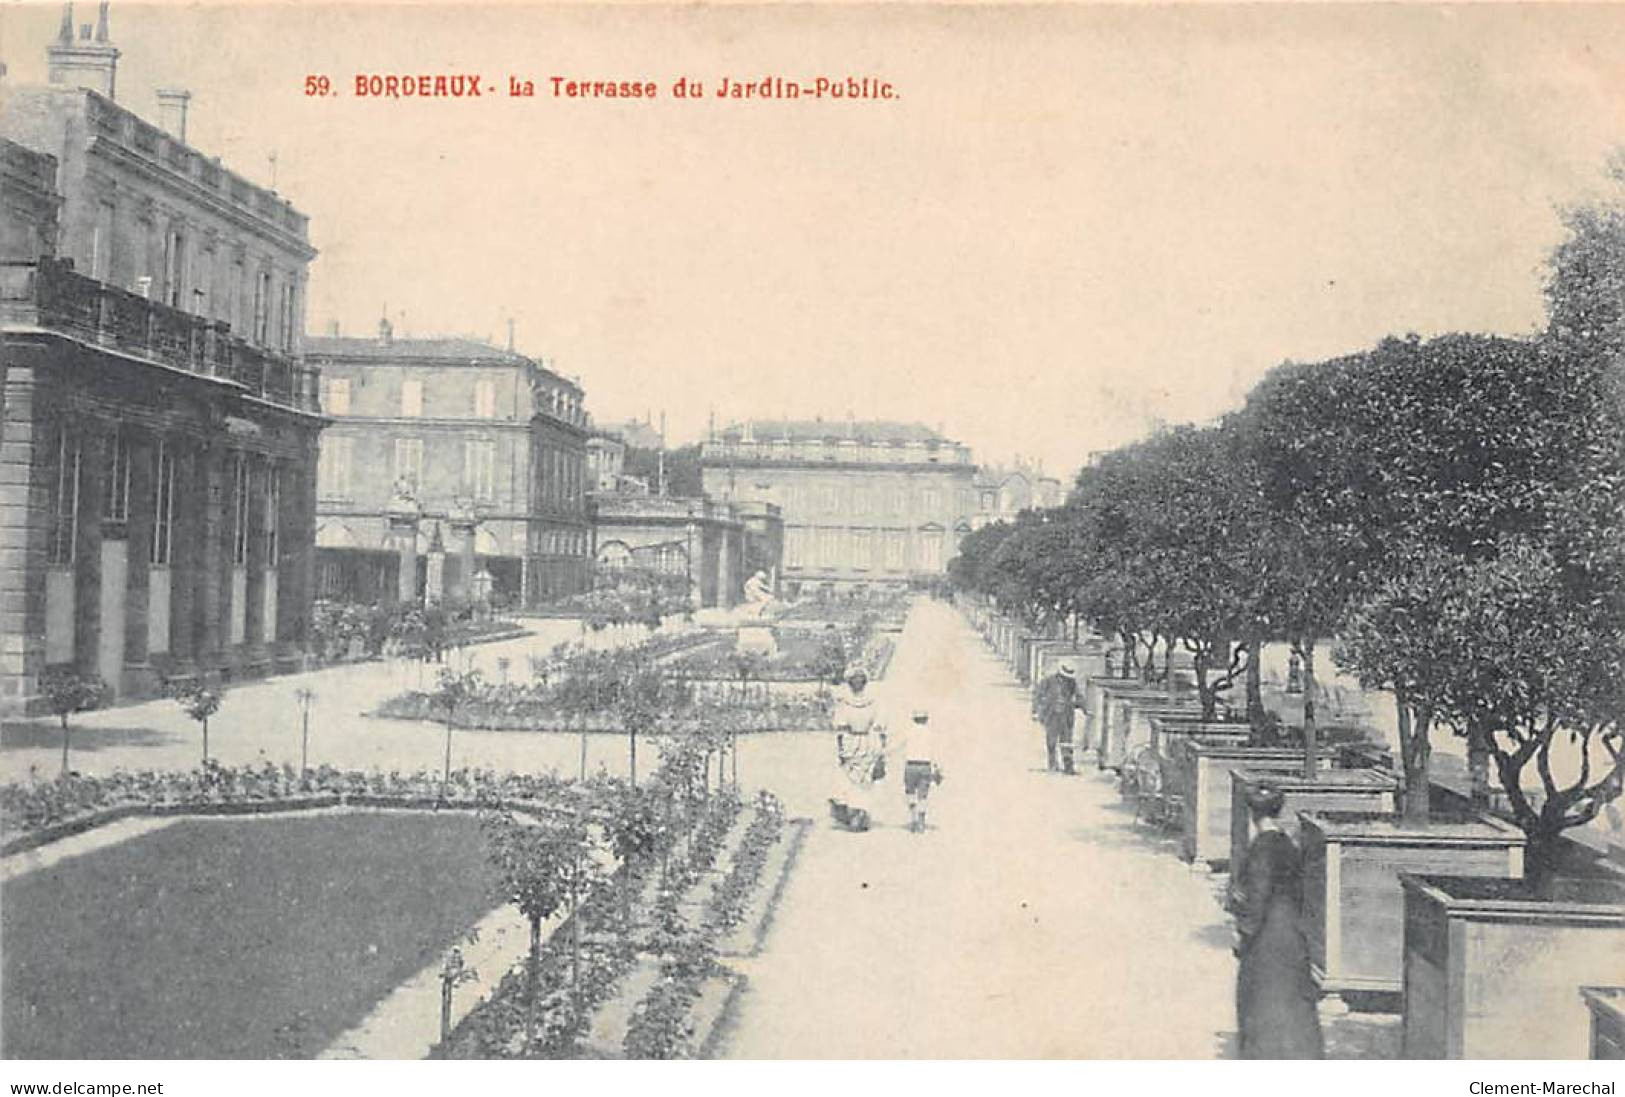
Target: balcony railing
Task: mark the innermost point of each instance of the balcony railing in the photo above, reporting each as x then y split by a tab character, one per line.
52	295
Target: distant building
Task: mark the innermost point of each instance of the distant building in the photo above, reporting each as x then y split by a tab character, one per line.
1002	492
638	433
694	537
864	503
159	430
452	423
606	460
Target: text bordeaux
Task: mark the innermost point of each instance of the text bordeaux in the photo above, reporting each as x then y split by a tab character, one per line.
471	86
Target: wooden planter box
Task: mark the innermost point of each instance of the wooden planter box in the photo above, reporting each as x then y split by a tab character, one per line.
1168	731
1353	907
1140	731
1607	1006
1204	773
1364	791
1113	727
1493	971
1092	695
1046	655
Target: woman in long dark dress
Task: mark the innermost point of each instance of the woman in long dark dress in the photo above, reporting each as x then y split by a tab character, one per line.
1275	994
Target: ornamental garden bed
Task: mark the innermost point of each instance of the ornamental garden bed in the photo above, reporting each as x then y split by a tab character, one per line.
506	708
1493	968
34	815
232	938
1364	791
1354	908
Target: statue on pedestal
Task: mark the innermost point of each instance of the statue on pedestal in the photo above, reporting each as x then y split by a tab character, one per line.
758	594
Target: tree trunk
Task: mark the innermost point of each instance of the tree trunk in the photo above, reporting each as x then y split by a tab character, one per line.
1478	765
445	1010
1311	738
533	967
65	734
205	741
1255	688
1540	857
1205	687
445	782
632	754
1416	752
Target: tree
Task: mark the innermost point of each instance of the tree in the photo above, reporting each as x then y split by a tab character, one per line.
634	833
1540	669
1311	555
1401	638
539	867
67	692
199	702
454	692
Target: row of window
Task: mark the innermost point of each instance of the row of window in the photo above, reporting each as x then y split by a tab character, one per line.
562	542
260	304
336	398
866	549
558	479
251	476
781	449
805	499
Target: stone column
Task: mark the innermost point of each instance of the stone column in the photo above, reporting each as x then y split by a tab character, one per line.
213	556
25	493
403	534
465	522
87	553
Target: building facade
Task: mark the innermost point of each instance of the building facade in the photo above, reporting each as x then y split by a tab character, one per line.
485	442
1003	492
864	504
157	459
676	535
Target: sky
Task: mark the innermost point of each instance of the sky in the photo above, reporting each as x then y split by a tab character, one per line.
1072	224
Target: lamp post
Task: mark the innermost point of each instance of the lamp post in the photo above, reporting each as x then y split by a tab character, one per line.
305	696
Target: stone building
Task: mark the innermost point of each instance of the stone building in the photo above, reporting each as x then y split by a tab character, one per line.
487	444
677	535
864	503
1002	492
29	202
159	434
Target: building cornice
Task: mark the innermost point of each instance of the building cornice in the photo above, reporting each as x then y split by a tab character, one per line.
194	192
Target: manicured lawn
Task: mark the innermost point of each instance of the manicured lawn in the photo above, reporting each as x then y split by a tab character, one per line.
231	938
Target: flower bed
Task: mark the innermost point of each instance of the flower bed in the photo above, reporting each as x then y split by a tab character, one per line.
663	1027
518	708
33	814
343	631
497	1028
803	656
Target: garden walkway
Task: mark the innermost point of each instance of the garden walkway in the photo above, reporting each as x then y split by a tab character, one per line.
1030	921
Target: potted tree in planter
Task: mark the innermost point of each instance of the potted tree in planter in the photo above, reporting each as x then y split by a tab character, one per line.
1497	965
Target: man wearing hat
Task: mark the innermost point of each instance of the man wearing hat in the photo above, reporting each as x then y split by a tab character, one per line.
1054	705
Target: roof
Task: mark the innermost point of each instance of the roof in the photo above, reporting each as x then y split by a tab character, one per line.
807	430
456	348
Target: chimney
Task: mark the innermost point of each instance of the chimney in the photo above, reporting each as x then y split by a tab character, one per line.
172	111
333	328
83	61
